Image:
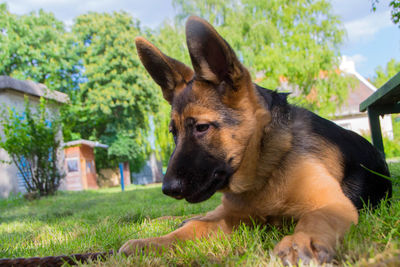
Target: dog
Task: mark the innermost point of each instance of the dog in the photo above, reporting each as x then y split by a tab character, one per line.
270	159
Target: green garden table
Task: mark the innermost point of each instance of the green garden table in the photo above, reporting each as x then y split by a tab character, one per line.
385	100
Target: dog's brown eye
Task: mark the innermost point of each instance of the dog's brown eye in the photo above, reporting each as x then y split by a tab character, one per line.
202	127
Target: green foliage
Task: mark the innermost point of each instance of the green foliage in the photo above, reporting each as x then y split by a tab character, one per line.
391	147
292	41
32	140
395	12
37	47
395	4
115	100
96	64
382	75
163	138
396	126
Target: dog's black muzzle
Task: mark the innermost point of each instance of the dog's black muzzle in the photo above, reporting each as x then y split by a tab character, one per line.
195	187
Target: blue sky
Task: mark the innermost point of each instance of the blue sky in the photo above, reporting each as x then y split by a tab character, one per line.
372	39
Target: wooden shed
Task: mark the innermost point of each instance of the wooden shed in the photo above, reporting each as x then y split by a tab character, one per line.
80	165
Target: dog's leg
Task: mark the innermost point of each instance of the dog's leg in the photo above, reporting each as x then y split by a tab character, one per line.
193	229
316	235
198	217
324	215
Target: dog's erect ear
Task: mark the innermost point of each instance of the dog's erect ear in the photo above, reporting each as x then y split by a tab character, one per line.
167	72
212	57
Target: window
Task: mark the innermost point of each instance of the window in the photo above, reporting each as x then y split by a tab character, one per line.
72	165
89	166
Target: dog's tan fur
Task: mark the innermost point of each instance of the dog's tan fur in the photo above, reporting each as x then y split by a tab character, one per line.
307	188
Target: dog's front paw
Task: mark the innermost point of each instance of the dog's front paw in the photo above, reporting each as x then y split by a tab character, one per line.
142	246
301	246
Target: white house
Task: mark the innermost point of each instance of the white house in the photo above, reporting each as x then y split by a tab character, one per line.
348	115
12	94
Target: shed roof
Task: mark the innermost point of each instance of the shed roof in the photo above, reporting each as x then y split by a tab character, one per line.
84	142
31	88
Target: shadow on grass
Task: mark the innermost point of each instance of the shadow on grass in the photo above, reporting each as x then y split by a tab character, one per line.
58	247
67	204
88	207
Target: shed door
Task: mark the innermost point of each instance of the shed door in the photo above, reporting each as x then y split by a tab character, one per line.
73	178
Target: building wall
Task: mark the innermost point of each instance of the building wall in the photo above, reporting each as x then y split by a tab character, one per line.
8	172
112	177
150	173
73	168
360	124
89	167
109	177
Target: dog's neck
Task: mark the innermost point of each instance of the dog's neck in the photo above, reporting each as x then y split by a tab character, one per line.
266	148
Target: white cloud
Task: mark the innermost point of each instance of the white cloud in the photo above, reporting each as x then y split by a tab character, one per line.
150	12
364	29
353	9
358	59
352	63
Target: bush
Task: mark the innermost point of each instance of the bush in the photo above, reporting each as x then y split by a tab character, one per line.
391	147
31	141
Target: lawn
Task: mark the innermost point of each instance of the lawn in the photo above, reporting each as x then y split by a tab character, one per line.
92	221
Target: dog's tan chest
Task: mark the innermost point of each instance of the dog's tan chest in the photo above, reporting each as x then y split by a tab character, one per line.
303	187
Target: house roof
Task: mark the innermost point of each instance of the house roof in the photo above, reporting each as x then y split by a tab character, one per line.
31	88
356	94
84	142
361	89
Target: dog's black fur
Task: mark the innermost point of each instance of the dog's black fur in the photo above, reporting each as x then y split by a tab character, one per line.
362	186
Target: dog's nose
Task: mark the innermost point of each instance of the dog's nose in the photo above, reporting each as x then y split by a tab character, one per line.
172	188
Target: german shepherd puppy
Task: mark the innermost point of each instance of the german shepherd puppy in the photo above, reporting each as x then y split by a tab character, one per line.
271	160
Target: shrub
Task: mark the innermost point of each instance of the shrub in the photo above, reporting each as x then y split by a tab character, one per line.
31	141
391	147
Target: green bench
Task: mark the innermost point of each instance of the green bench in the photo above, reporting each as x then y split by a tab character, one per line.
385	100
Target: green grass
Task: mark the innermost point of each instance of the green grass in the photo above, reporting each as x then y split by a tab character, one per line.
92	221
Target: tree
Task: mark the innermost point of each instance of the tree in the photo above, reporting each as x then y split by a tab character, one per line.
382	75
37	47
117	97
292	41
395	13
32	140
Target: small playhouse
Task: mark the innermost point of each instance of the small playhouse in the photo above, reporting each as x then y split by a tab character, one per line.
80	165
